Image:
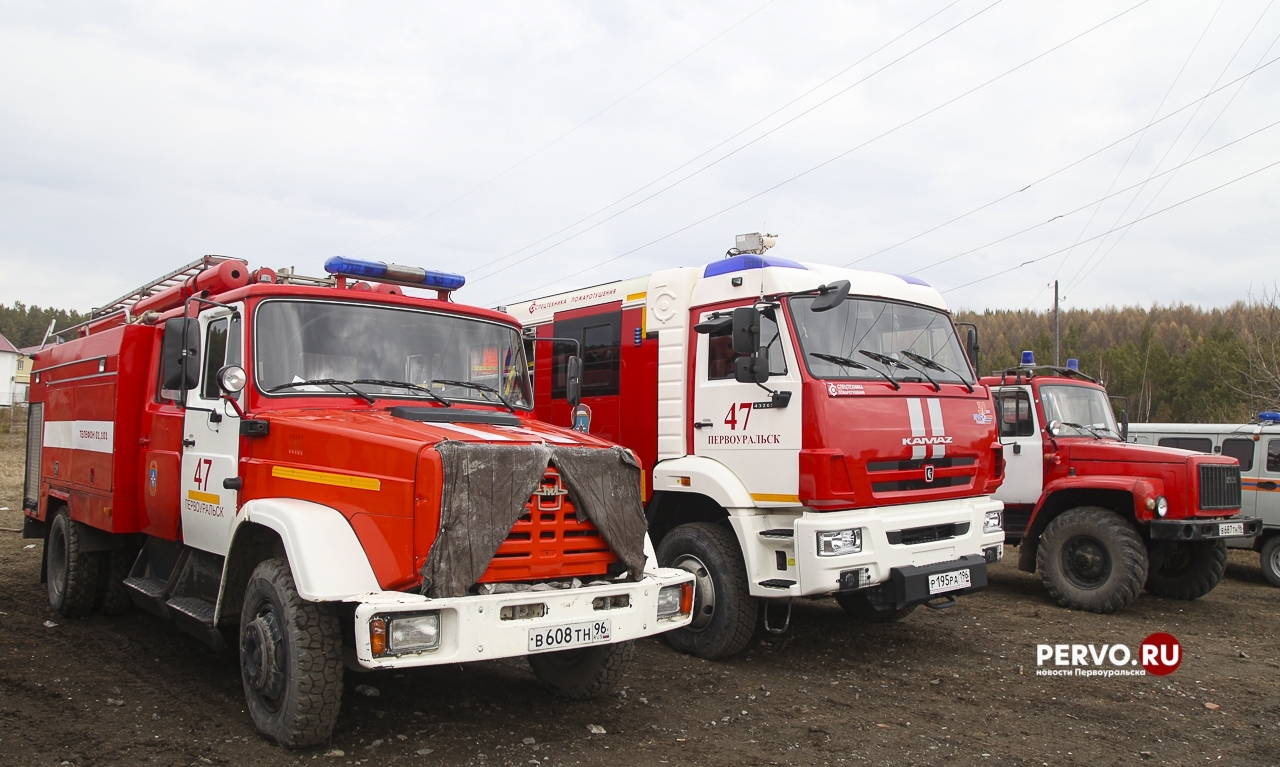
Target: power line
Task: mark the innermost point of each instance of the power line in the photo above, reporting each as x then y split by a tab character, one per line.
731	153
1092	203
823	164
562	136
1064	168
1123	226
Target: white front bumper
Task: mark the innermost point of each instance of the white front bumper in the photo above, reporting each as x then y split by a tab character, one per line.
471	628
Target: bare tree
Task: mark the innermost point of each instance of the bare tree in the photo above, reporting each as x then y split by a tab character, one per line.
1257	375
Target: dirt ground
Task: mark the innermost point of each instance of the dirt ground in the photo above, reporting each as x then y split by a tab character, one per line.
947	687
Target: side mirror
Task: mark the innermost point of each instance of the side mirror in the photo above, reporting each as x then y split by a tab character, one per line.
971	346
753	369
746	330
830	296
180	344
573	381
1124	425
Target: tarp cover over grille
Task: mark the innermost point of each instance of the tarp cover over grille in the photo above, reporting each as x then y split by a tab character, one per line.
487	486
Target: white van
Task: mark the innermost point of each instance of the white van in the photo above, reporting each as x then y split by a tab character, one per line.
1257	447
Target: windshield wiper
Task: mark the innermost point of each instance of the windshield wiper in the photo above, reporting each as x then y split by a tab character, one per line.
478	387
404	385
934	365
1081	427
848	363
889	363
349	386
924	372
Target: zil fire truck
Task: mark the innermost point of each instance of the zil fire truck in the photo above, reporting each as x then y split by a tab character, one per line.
1099	518
320	470
813	431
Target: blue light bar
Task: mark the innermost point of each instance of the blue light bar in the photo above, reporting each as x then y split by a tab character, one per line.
1073	364
393	273
1028	359
744	262
912	280
1269	415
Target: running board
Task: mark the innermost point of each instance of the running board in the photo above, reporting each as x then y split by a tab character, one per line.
195	616
148	593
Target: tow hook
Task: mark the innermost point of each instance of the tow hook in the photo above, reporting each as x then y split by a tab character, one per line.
941	603
786	622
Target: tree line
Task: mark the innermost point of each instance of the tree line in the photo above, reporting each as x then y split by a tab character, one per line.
26	325
1181	363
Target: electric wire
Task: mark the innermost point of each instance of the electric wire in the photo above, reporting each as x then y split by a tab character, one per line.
723	157
562	136
1122	226
841	155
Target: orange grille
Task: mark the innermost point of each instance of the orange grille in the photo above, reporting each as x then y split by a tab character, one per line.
549	542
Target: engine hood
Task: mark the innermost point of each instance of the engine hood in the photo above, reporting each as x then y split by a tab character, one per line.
1089	449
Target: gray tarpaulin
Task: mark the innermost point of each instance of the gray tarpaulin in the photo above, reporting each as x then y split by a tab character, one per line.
487	486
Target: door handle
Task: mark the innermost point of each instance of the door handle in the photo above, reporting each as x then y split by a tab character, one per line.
144	441
1266	484
702	424
188	443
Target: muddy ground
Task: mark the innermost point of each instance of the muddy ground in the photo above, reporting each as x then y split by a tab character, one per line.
950	687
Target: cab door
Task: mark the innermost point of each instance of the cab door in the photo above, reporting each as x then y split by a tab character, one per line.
1268	482
1023	452
211	438
737	424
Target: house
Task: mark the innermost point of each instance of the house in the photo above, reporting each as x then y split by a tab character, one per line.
10	356
22	380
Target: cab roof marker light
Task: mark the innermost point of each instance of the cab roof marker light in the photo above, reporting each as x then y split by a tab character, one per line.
742	263
1028	359
1073	363
394	273
912	280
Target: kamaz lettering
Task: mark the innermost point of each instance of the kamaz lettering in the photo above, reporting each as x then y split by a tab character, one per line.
915	441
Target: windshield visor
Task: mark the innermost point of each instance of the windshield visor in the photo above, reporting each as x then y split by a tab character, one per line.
882	328
297	341
1089	408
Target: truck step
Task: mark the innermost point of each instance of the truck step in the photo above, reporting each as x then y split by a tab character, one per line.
195	616
778	532
777	583
148	593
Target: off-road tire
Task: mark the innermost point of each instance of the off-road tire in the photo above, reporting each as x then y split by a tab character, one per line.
113	597
857	606
1185	569
1270	559
299	707
588	672
1083	530
71	575
733	619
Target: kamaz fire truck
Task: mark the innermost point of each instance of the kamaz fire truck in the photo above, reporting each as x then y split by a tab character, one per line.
812	431
1100	518
325	469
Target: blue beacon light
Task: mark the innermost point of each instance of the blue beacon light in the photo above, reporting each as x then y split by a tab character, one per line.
1073	364
394	273
1028	359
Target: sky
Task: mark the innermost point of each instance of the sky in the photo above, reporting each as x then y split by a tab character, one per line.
988	147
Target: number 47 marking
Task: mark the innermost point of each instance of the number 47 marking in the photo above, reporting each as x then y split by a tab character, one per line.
732	418
202	473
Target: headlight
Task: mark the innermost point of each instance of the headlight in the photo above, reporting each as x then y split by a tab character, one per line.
405	633
837	542
232	378
675	600
993	522
1162	505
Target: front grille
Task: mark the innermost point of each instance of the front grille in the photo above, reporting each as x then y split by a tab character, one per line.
549	542
919	463
927	534
903	485
35	442
1219	486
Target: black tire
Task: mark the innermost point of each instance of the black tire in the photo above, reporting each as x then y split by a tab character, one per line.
113	597
1092	559
1270	558
290	659
71	575
857	606
588	672
724	612
1185	569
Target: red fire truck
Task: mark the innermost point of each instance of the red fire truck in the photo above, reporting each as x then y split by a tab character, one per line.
812	431
320	469
1100	518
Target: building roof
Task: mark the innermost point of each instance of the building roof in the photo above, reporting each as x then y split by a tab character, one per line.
30	351
5	346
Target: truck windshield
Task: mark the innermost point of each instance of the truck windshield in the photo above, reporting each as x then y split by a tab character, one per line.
354	345
862	329
1081	410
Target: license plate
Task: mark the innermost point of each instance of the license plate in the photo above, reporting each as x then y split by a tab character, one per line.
956	579
572	635
1231	528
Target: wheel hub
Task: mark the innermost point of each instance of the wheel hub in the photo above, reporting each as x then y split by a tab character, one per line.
261	645
1085	562
704	592
57	575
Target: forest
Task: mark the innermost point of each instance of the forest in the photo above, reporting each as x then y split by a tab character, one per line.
1177	363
